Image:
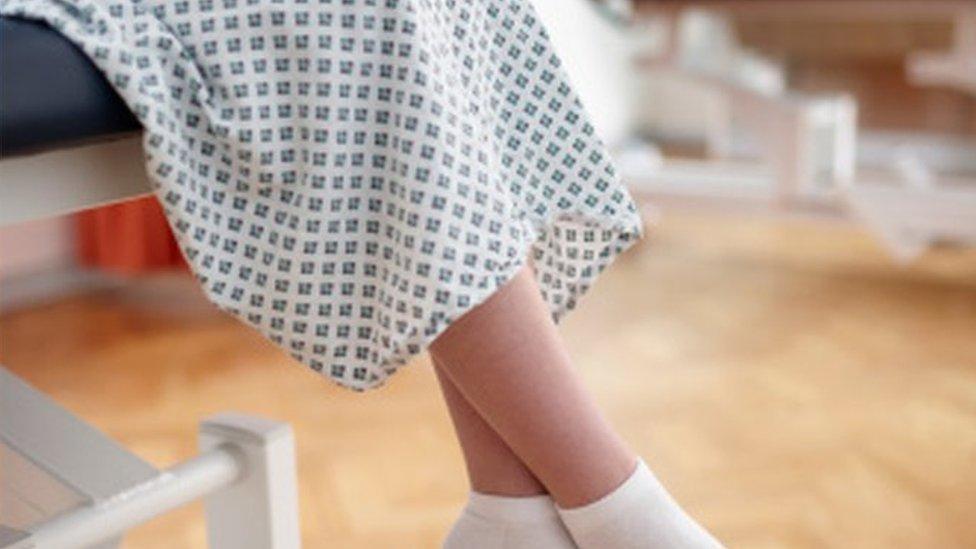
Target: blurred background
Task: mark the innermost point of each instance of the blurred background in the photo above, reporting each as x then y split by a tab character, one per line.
792	347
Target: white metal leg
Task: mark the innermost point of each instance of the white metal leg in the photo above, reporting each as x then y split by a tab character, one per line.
65	485
260	511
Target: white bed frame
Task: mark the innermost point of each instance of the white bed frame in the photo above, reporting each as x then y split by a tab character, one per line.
63	484
67	486
808	144
67	180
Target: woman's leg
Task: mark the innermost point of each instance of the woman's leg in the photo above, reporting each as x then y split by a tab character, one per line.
492	466
508	508
506	358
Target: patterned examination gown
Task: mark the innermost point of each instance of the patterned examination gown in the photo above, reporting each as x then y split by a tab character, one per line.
351	176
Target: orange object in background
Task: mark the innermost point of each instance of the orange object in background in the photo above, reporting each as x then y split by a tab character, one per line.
128	238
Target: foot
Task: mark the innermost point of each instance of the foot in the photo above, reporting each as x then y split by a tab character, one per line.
499	522
639	514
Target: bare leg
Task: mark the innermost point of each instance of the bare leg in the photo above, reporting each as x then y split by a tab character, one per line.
507	360
492	466
508	507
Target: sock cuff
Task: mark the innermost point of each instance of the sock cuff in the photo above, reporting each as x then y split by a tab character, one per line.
512	509
599	512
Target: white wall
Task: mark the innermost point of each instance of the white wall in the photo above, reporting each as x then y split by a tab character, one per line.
598	58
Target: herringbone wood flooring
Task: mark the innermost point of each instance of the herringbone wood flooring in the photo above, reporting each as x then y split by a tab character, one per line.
790	385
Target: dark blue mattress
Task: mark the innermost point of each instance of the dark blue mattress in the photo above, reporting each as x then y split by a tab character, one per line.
51	96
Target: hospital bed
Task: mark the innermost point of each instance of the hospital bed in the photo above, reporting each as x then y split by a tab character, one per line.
812	156
67	142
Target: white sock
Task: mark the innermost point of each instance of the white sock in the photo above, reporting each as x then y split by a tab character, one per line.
498	522
639	514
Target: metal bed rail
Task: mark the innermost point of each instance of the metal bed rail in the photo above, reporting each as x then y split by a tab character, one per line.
65	485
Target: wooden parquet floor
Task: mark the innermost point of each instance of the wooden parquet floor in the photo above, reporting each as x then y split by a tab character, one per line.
789	384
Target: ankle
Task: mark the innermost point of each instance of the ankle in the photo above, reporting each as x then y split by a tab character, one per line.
593	483
505	483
